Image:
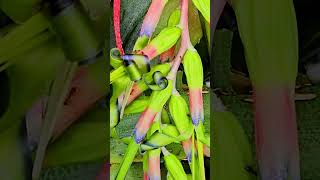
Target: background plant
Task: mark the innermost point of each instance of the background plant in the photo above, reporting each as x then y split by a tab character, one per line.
30	57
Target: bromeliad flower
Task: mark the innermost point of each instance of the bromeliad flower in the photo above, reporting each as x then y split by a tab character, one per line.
155	129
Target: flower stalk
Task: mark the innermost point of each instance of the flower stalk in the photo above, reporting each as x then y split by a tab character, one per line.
272	58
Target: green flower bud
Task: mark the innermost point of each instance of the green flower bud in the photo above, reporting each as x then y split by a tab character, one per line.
157	140
145	163
137	106
178	109
165	117
174	18
167	38
173	165
170	130
141	42
193	68
155	126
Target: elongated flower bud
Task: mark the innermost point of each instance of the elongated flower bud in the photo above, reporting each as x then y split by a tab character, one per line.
156	125
167	38
145	166
157	101
173	165
193	69
169	132
165	117
187	147
154	172
137	106
178	109
157	140
194	72
141	42
152	17
174	18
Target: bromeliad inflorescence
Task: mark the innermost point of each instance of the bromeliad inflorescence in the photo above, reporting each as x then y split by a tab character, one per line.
152	65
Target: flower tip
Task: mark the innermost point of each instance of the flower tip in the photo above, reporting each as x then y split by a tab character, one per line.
189	157
196	119
138	136
155	177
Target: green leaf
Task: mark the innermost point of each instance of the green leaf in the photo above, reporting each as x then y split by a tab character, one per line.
12	161
79	171
135	172
87	135
19	10
33	80
232	150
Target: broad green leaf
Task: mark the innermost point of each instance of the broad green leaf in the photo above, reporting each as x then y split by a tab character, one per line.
33	80
79	171
99	12
20	10
232	150
268	30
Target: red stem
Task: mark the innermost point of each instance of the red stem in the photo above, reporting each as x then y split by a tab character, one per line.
116	23
185	41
